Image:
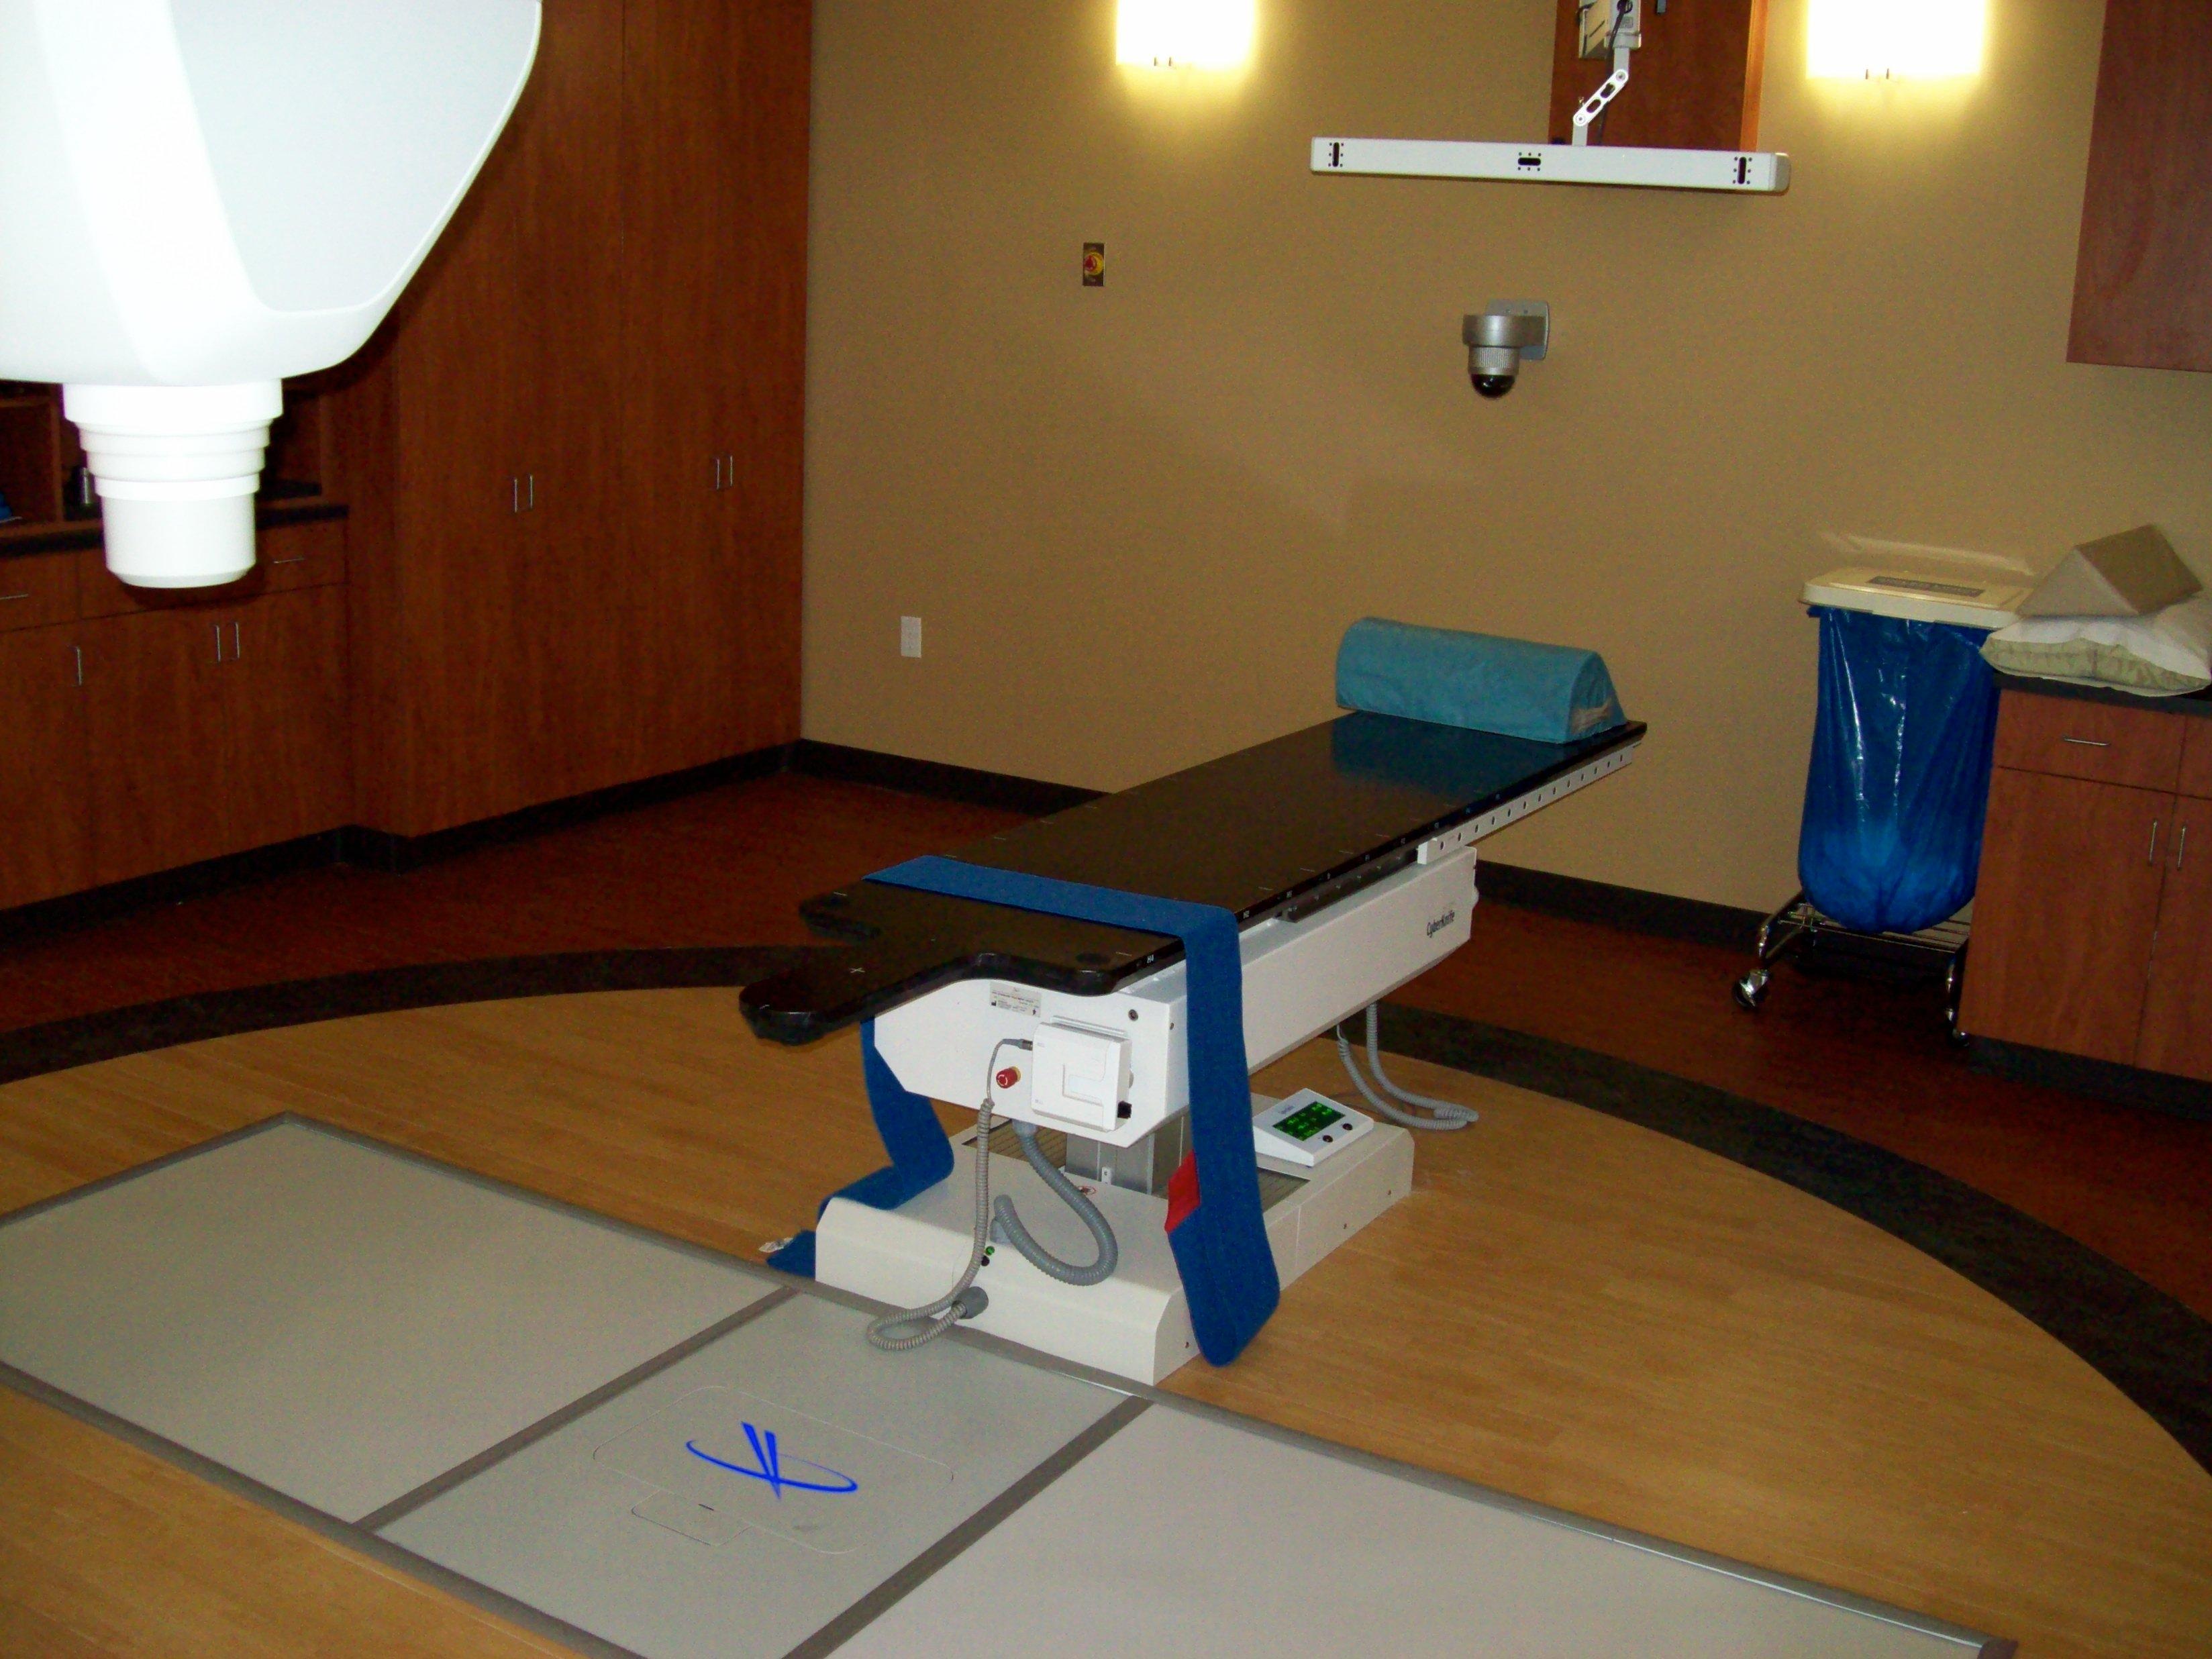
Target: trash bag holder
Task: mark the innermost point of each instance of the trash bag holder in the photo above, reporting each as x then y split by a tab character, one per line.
1898	782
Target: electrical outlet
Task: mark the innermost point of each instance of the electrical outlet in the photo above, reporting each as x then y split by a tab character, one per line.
909	636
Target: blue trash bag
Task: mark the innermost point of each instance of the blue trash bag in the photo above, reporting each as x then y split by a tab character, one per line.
1900	773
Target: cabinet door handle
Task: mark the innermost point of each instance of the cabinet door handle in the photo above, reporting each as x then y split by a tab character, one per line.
237	642
2181	847
530	506
218	642
2151	857
2086	743
10	598
79	650
297	558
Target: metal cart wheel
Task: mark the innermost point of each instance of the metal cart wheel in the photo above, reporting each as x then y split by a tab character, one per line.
1751	989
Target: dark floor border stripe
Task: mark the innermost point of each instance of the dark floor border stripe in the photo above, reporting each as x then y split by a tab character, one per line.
2149	1345
34	1050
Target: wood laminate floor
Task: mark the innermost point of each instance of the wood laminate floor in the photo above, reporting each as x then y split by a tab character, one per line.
1568	1307
729	865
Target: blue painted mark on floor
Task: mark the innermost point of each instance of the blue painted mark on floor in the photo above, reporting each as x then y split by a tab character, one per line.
768	1465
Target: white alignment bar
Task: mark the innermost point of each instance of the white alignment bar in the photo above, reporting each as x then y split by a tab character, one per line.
1750	173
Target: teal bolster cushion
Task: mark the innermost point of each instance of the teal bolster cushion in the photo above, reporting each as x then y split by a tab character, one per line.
1549	693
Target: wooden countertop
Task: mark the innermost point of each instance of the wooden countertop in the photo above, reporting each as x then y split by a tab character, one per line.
20	540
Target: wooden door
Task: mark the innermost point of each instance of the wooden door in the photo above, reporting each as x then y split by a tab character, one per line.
153	740
579	661
287	761
502	390
45	793
2142	280
713	333
2065	912
2177	1024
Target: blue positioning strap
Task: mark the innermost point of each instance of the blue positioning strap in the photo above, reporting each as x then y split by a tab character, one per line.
1214	1222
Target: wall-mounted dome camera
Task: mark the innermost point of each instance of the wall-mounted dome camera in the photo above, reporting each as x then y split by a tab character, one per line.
1500	336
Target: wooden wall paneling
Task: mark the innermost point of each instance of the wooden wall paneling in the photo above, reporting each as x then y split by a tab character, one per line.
154	717
2177	1023
45	787
287	769
2064	913
1694	83
2142	279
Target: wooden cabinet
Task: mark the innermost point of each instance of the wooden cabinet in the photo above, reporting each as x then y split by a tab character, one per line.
2142	281
2176	1019
149	730
2065	913
285	742
45	789
214	729
585	422
2093	918
154	734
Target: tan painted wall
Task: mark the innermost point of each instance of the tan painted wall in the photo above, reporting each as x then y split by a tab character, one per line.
1135	520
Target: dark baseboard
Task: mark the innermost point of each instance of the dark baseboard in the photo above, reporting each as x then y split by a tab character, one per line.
190	881
2127	1085
372	849
1630	909
378	849
936	780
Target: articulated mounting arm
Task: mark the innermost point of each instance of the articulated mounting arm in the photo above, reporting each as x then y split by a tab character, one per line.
1615	24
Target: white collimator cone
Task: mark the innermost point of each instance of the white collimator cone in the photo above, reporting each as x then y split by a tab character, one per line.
200	197
177	468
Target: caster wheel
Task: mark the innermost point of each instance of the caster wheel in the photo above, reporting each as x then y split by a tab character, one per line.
1751	989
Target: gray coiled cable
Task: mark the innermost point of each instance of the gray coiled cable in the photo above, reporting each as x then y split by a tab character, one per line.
1008	1229
927	1324
1448	1114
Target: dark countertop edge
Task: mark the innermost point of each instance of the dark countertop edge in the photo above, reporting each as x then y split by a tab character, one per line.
86	532
2195	704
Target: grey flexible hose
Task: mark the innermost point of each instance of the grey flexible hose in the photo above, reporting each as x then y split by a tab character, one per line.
1448	1114
925	1324
1008	1227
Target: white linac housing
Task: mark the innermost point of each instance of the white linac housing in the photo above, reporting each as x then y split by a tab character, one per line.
201	197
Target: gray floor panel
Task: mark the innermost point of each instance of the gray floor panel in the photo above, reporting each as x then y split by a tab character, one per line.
1185	1536
654	1523
628	1440
339	1323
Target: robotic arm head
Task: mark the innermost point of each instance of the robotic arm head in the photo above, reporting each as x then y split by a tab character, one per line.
207	195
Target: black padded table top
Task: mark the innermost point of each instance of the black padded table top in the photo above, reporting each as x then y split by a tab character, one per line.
1285	826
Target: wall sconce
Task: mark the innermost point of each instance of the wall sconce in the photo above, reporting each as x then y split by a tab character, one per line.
1185	34
1905	39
